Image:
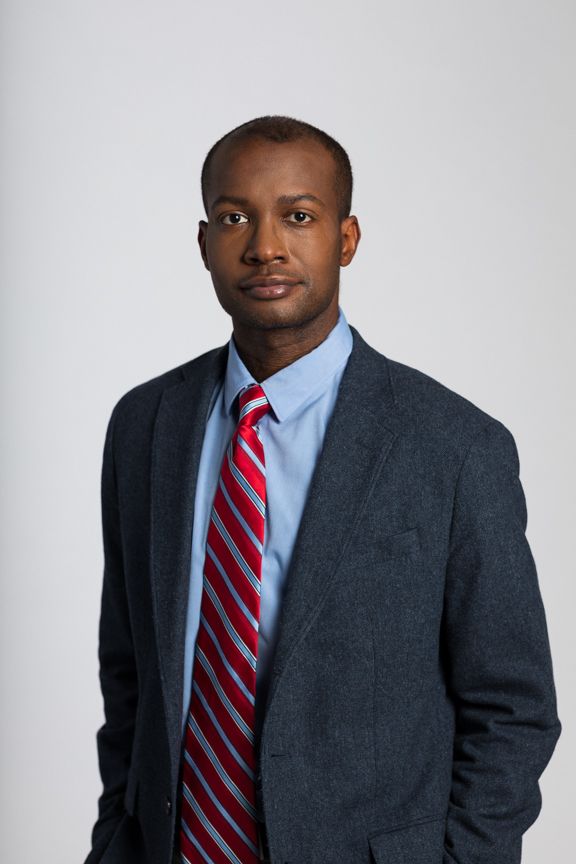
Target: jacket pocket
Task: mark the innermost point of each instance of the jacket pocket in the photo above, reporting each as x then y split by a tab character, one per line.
419	841
372	542
407	543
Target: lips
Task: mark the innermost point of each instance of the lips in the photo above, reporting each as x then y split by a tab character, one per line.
271	290
269	287
267	281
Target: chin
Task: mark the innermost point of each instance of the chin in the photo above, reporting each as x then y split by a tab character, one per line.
269	315
269	322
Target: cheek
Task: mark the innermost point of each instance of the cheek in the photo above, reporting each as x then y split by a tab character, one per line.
327	262
318	253
222	253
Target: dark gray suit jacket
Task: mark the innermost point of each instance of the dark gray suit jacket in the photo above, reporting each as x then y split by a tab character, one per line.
412	704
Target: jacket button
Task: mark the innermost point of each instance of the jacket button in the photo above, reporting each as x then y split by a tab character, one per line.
168	807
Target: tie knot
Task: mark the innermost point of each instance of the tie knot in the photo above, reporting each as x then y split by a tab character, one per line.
253	405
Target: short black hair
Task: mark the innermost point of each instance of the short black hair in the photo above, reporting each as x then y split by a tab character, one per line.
278	128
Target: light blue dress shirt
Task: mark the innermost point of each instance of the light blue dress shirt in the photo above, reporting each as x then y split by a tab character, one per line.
302	397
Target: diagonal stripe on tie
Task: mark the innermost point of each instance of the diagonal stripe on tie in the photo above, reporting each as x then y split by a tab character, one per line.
229	723
218	822
211	736
241	576
243	544
229	496
222	678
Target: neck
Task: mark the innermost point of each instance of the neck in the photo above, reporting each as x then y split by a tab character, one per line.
265	352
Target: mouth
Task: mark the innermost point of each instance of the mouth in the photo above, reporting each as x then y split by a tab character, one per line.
268	287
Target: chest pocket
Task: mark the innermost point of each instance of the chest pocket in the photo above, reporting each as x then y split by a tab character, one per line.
373	542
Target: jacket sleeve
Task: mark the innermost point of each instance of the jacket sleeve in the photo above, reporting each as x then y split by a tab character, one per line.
118	678
498	657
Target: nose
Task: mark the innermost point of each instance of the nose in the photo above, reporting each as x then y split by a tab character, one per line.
265	243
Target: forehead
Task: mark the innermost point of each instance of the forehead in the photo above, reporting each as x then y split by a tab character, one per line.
262	170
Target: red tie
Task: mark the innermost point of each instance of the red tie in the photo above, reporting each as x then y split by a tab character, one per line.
219	823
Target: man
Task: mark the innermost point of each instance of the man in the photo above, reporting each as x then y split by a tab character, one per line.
322	638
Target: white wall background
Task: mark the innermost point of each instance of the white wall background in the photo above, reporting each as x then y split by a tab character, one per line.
459	118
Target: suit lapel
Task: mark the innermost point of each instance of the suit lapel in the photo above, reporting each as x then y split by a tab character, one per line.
176	449
358	438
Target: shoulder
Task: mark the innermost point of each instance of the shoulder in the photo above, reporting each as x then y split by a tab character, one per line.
437	419
140	402
429	400
445	416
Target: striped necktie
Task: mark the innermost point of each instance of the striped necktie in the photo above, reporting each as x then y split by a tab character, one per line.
218	815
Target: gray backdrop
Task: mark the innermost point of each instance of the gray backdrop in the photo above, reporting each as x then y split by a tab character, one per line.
459	118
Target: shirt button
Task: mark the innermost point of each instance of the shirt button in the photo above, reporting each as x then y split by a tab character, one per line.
168	807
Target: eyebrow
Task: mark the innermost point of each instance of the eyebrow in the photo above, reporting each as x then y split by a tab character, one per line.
286	200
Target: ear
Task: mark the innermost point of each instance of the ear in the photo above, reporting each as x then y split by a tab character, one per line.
202	231
349	238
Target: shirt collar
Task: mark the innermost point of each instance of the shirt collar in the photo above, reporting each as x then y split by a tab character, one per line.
292	386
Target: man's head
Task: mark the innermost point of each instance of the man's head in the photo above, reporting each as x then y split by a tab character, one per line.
277	194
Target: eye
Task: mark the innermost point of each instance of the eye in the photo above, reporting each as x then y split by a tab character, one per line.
235	219
297	214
